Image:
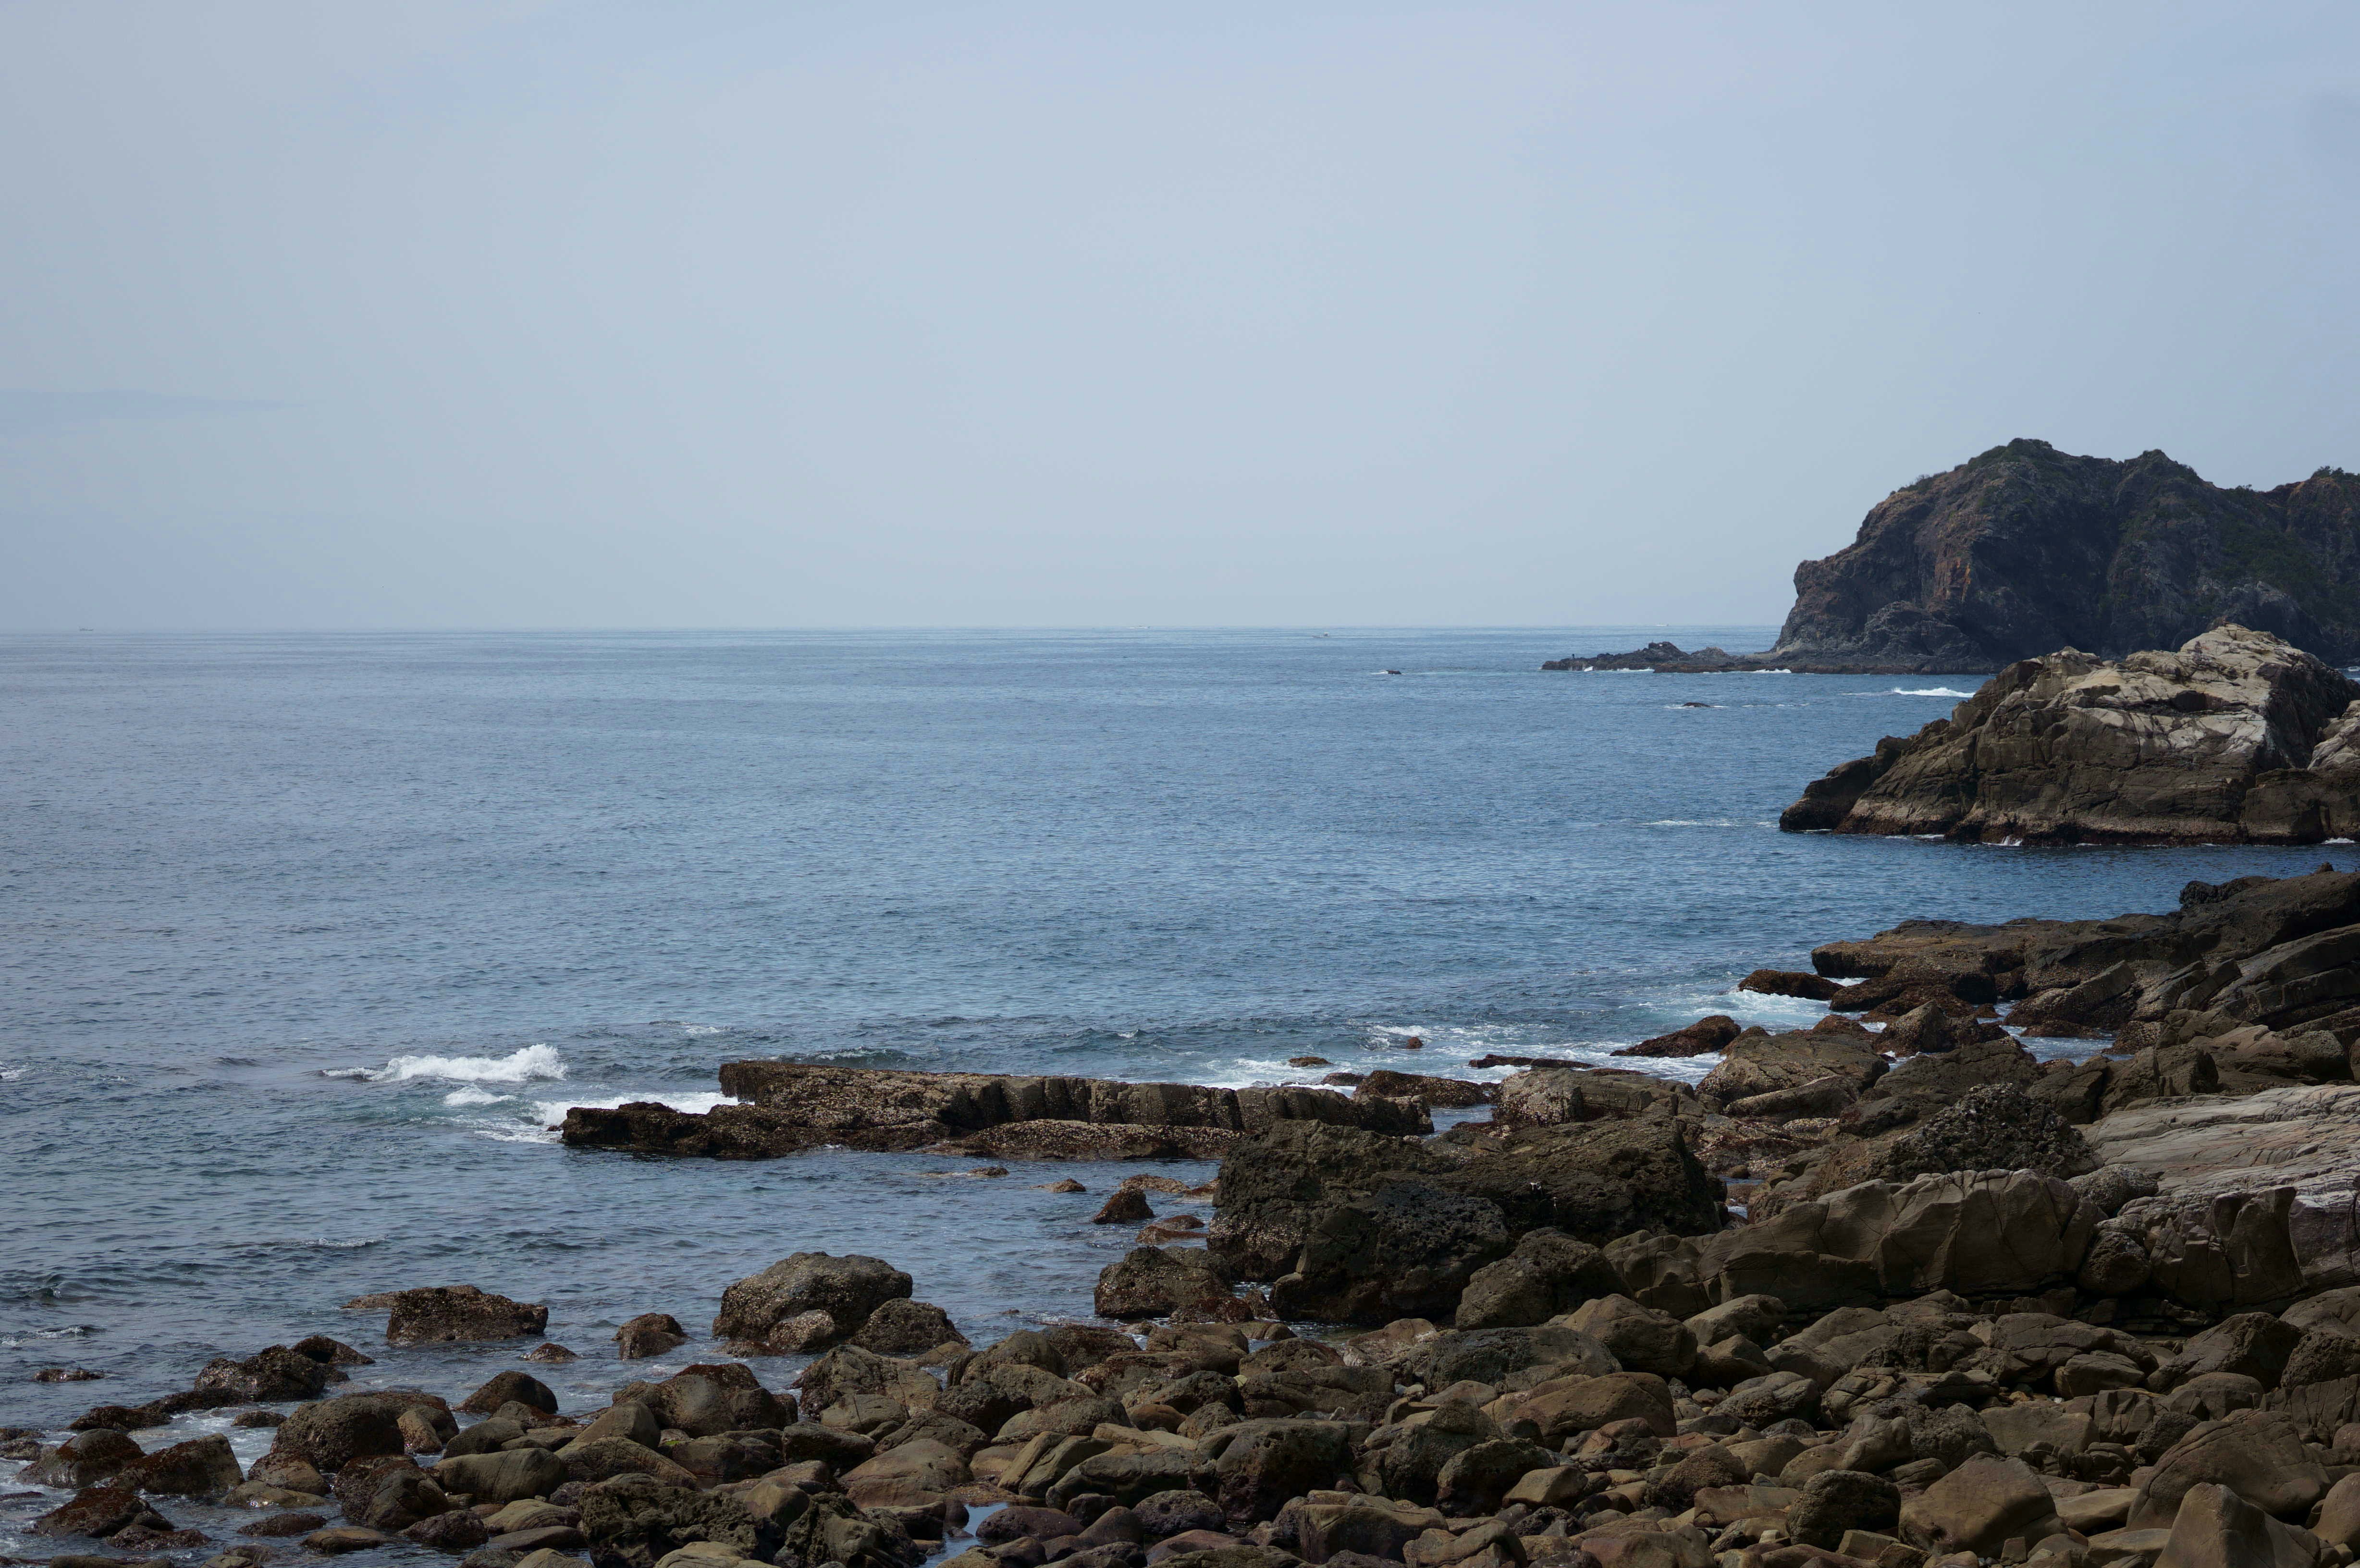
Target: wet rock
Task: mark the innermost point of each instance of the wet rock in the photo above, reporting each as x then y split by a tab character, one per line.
632	1420
294	1522
270	1376
334	1352
1123	1208
1157	1282
338	1539
552	1355
201	1468
99	1511
648	1334
458	1314
901	1327
1703	1037
403	1499
330	1433
710	1398
521	1387
846	1288
67	1374
502	1477
86	1459
604	1458
1427	1090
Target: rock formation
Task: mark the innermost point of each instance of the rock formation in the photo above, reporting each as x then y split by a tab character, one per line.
2026	548
795	1107
2237	736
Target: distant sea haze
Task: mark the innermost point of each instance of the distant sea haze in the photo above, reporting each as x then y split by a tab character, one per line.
313	936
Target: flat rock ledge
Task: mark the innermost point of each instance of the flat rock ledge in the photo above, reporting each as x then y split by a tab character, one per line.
791	1107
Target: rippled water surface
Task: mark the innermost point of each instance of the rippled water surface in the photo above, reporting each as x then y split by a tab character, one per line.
310	937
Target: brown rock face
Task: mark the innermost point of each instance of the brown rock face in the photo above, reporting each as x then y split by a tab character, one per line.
2237	736
2025	549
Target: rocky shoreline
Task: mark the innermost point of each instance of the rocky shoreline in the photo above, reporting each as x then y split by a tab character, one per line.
2235	738
1886	1290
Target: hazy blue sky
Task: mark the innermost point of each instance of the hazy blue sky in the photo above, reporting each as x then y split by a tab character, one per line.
490	312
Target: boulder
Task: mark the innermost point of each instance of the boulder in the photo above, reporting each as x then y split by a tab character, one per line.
848	1371
441	1314
2258	1454
913	1475
650	1333
1557	1096
2217	1529
88	1458
1702	1037
201	1468
1548	1273
330	1433
1274	1185
1567	1407
1259	1465
2255	1345
521	1387
1979	1507
592	1460
635	1520
1999	1127
502	1477
1407	1250
1643	1340
270	1376
1837	1502
847	1289
99	1512
1478	1479
710	1398
902	1327
1494	1354
1157	1282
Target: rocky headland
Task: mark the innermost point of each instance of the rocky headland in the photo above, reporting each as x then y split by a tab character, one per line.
2236	736
2025	549
1888	1290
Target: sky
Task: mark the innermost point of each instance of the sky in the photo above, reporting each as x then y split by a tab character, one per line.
490	313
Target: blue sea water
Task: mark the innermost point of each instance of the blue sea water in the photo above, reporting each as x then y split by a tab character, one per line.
308	938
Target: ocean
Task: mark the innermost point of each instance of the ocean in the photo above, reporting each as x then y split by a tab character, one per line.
309	938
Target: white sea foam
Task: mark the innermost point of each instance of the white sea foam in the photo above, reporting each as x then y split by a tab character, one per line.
1928	692
517	1067
10	1075
469	1094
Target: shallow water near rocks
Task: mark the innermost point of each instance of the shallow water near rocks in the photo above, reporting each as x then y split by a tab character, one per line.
310	937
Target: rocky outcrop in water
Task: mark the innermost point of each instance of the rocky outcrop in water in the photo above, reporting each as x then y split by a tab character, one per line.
796	1107
2026	548
2236	736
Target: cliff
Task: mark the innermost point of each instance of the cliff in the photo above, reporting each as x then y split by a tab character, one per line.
2235	738
2026	548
